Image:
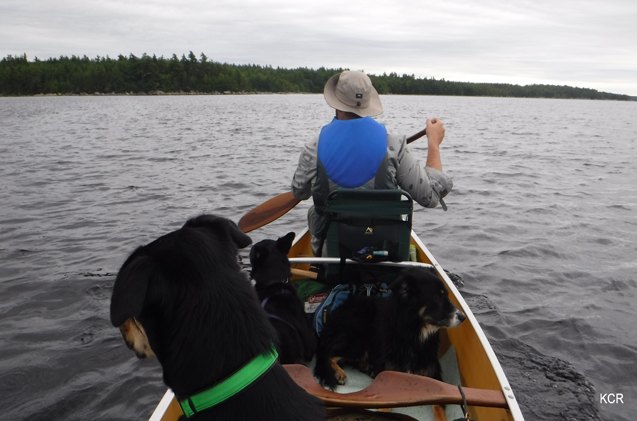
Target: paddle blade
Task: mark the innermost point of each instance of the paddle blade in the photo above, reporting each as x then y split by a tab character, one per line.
268	211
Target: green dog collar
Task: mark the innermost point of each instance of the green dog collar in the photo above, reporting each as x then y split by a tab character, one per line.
229	387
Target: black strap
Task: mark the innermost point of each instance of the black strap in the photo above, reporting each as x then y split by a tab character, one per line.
341	269
464	405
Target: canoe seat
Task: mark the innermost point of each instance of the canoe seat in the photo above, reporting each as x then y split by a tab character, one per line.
379	220
393	389
368	225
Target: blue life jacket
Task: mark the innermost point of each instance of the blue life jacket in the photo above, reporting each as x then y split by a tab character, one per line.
351	154
352	151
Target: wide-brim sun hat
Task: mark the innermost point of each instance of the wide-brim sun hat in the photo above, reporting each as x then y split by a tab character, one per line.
353	91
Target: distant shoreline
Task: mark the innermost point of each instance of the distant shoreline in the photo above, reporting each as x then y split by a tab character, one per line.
230	93
189	75
227	93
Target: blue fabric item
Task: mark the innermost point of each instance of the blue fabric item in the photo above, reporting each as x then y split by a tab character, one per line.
351	151
340	293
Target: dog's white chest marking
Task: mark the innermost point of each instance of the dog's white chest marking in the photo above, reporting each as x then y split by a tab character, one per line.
426	331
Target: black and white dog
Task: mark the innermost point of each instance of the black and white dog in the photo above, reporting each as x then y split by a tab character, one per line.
184	299
271	273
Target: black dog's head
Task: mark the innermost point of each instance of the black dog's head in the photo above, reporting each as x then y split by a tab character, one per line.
269	260
420	292
175	283
185	299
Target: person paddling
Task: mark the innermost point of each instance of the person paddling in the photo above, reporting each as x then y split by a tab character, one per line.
355	151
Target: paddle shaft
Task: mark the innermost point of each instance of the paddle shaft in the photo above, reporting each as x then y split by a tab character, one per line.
417	135
274	208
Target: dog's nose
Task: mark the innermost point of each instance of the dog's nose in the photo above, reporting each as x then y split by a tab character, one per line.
460	315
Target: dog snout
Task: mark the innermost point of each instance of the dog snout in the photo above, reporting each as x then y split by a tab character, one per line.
457	318
460	315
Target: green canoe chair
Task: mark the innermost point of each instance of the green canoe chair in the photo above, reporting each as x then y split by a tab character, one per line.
368	225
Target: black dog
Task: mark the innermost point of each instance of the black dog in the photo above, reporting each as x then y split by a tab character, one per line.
399	332
271	272
184	298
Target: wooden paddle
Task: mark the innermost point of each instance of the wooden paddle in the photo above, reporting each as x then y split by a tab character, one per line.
279	205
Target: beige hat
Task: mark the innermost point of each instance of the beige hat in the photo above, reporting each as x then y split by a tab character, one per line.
353	91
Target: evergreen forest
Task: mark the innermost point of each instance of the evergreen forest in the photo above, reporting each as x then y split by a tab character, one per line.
191	74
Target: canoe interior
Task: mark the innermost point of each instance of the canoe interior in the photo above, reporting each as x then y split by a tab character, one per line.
463	354
473	363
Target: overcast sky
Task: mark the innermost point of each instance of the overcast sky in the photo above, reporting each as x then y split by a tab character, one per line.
583	43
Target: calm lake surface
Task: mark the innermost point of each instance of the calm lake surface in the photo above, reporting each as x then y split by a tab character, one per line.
542	227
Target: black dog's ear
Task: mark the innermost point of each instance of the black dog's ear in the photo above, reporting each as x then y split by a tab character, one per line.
129	290
285	243
238	237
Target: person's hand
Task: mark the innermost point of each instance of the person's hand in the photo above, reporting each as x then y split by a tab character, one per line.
435	131
435	135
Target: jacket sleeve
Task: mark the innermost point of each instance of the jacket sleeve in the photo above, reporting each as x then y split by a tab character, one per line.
425	184
305	173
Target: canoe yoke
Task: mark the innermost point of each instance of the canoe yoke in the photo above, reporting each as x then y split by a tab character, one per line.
393	389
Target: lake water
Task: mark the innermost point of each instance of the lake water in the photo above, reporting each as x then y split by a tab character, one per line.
542	227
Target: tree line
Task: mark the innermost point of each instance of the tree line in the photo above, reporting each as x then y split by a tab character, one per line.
192	74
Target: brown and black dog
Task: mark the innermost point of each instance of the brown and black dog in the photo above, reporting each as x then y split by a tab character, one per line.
398	332
184	299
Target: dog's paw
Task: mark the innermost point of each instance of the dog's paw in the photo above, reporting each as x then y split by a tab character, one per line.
339	373
341	376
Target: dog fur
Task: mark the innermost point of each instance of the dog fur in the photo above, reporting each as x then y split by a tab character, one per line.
271	273
398	333
184	299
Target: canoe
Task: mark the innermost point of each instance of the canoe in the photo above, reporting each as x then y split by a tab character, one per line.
466	357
